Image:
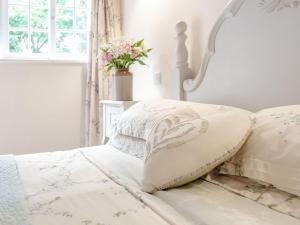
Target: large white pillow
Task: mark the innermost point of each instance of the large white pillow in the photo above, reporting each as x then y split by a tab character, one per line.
184	140
272	153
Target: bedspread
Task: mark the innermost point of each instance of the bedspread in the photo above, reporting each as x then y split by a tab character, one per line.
102	186
65	188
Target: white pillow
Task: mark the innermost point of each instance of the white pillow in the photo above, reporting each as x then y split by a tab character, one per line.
272	153
128	145
184	140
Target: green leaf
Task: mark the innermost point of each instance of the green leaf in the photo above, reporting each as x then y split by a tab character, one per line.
109	68
141	62
138	43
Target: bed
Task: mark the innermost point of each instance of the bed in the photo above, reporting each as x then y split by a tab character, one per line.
103	186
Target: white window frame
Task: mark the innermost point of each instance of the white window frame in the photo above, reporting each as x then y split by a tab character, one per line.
52	55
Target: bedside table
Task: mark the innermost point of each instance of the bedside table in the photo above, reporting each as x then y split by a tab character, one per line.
112	110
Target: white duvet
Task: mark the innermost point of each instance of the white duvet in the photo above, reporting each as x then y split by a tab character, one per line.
101	186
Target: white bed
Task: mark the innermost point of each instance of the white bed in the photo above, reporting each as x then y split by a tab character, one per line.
102	186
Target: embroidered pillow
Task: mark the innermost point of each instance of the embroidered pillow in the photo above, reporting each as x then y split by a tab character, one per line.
272	152
129	133
184	140
128	145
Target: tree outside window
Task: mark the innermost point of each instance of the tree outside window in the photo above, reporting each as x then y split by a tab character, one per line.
30	27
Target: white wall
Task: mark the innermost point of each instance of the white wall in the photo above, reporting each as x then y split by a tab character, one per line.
40	106
41	103
154	20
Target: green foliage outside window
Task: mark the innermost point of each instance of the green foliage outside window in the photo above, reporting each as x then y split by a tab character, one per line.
70	29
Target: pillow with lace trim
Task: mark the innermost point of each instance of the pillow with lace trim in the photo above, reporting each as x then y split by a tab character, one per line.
184	140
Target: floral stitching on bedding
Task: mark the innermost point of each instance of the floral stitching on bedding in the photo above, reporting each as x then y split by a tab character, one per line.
174	130
60	192
266	195
276	133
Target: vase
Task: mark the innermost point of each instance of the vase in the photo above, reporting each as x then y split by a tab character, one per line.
122	85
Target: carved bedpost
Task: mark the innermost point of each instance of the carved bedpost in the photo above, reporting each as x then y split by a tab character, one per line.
181	69
181	49
231	10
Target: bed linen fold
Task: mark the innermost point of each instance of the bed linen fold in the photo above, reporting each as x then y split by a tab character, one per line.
116	165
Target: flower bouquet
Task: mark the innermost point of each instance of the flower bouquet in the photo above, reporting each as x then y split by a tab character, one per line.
122	54
119	56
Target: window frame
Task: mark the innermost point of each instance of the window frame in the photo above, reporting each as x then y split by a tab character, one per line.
52	55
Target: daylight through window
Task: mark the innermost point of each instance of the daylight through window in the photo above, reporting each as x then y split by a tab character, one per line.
53	28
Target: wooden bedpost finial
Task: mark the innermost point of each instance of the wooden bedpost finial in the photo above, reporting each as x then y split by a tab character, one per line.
181	70
181	49
181	27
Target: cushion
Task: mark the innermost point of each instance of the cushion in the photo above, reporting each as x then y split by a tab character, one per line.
272	153
184	140
129	145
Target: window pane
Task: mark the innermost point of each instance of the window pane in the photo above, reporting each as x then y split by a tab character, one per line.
64	42
64	18
65	3
81	20
81	3
39	42
18	41
81	43
43	3
18	1
18	16
39	18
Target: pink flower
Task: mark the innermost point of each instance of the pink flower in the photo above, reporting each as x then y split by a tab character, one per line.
106	57
125	48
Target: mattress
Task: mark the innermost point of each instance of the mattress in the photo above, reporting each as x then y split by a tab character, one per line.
101	185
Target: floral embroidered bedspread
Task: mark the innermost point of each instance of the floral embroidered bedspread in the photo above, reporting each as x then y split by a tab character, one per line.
65	188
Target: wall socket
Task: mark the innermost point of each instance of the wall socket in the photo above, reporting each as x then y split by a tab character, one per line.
157	78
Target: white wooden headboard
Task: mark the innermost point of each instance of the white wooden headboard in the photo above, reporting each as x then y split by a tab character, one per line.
252	60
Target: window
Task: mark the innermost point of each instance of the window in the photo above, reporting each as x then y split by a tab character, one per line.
45	28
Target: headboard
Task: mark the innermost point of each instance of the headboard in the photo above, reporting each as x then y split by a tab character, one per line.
252	59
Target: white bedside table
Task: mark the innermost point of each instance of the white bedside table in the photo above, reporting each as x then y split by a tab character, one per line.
112	110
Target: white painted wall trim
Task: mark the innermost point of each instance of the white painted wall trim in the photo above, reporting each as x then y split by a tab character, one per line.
42	61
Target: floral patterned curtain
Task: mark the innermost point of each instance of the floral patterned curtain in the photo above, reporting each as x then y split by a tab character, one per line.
105	27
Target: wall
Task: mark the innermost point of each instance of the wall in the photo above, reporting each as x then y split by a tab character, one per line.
154	20
40	106
41	103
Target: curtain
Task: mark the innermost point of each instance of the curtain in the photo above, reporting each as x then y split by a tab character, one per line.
105	27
